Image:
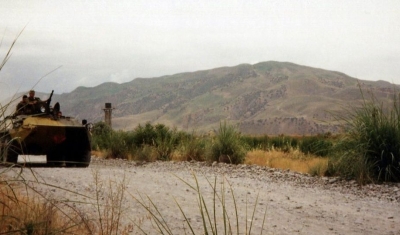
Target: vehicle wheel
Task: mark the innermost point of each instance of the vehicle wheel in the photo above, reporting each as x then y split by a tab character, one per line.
54	159
70	154
50	159
84	159
8	150
79	156
78	151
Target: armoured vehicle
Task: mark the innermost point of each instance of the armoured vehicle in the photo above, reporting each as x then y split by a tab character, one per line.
45	131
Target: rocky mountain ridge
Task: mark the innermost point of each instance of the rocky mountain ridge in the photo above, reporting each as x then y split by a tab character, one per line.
265	98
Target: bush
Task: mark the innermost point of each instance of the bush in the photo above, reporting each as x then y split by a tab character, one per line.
283	143
318	145
101	136
191	147
146	153
256	142
118	146
227	146
371	148
144	135
159	138
349	163
165	141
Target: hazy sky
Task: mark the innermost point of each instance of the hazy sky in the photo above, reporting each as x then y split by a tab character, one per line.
101	41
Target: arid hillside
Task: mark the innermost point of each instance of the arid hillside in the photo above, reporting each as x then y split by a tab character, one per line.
265	98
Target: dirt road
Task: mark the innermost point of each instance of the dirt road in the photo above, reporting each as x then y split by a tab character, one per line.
293	203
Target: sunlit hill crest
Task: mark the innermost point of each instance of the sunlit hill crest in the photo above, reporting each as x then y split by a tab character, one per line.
265	98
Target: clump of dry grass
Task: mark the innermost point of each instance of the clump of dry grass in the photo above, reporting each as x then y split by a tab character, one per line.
23	212
99	153
216	215
293	160
146	153
109	205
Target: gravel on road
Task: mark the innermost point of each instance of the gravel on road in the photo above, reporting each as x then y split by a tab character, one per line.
292	203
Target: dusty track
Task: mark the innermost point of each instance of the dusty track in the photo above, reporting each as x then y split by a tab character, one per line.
294	203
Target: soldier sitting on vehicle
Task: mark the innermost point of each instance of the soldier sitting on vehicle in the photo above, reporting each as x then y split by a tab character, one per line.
22	105
32	99
36	102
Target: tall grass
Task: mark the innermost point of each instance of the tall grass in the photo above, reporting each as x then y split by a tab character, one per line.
370	150
227	146
257	142
294	160
101	136
216	217
27	208
191	148
165	142
27	213
319	145
109	201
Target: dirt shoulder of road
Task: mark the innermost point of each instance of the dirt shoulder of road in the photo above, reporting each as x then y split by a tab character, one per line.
292	203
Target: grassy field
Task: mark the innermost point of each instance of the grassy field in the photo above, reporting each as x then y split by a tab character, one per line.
295	161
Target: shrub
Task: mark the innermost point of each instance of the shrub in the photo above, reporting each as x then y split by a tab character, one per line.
165	141
146	153
25	212
319	167
144	135
101	136
283	143
371	147
116	143
118	146
318	145
349	163
256	142
227	146
191	147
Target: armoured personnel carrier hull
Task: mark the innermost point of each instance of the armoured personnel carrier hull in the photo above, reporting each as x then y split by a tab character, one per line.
64	140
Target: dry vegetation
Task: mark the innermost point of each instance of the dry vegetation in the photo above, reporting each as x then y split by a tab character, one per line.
294	160
24	211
